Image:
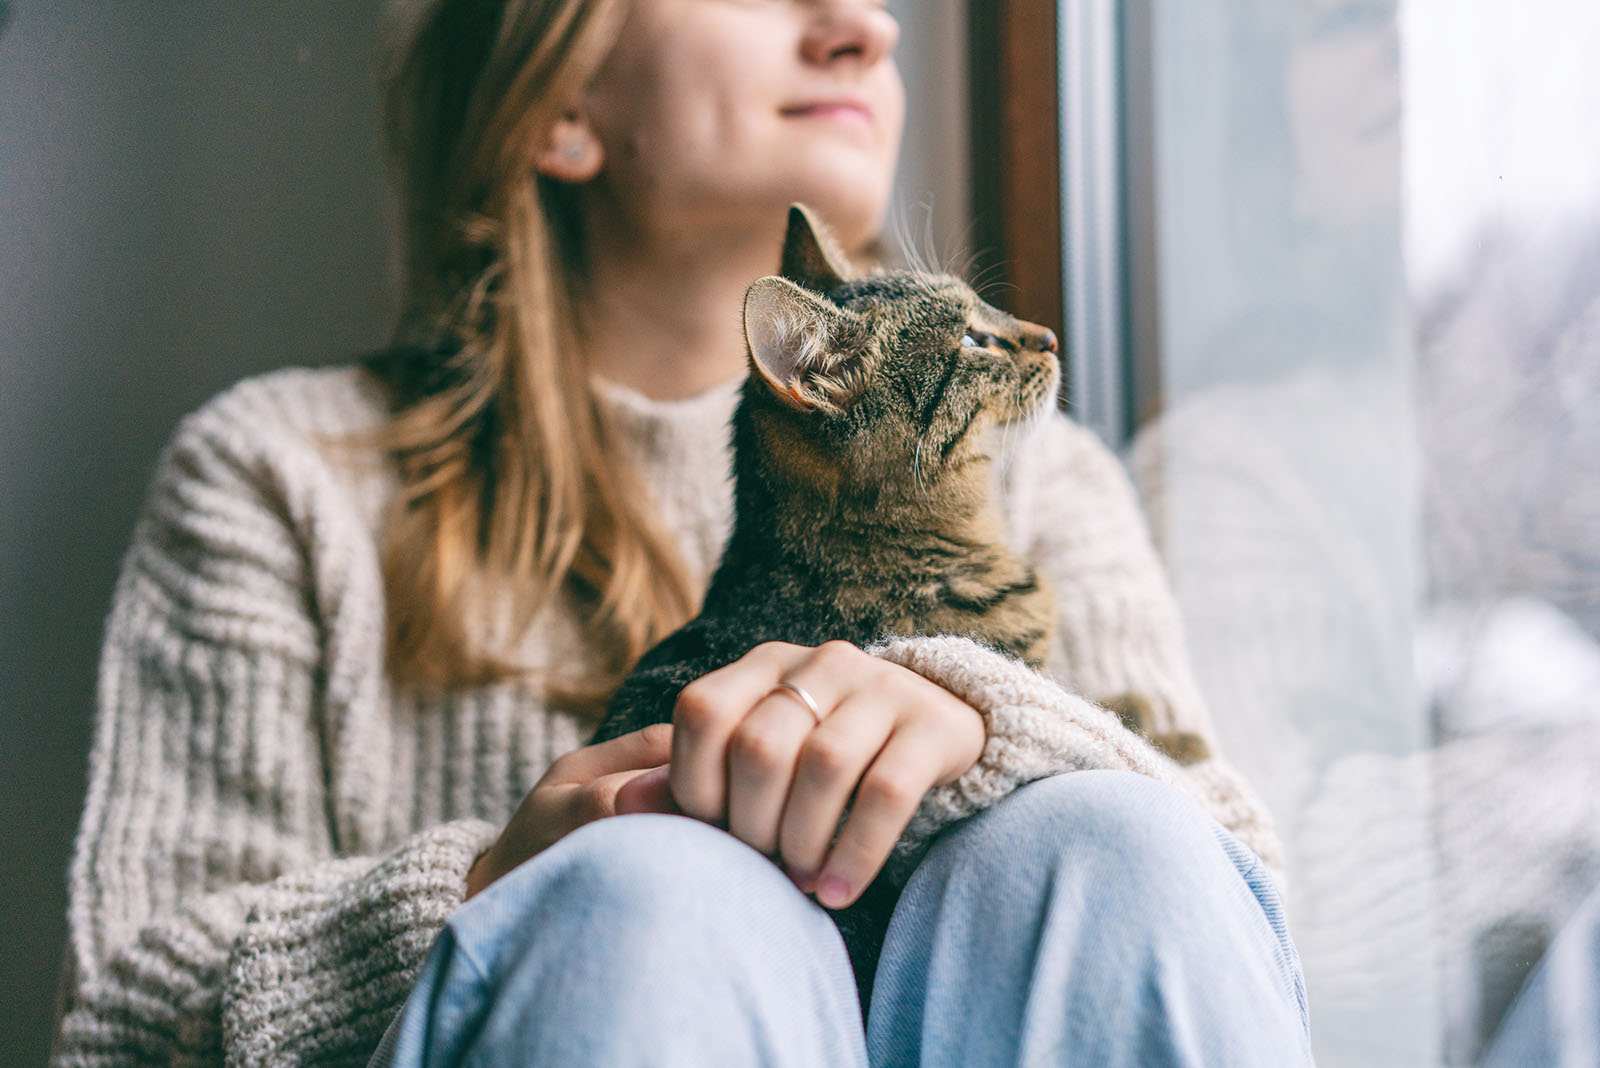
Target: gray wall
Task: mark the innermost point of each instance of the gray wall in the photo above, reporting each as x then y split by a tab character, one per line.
190	193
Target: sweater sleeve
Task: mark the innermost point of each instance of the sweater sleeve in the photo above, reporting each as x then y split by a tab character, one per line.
216	914
1118	633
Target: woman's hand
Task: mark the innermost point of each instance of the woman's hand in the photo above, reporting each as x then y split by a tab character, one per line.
625	774
753	759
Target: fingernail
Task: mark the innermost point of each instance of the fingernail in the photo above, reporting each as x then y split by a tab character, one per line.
806	881
834	892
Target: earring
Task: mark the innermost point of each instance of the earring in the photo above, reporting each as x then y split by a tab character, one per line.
574	152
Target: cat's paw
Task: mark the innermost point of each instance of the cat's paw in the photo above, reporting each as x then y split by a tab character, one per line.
1138	715
1133	709
1183	747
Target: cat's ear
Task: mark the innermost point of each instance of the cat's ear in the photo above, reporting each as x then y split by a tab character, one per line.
801	346
811	257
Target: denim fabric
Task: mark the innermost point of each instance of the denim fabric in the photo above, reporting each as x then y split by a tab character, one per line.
1093	918
1555	1020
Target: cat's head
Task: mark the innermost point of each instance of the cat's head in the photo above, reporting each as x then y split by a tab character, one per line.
894	376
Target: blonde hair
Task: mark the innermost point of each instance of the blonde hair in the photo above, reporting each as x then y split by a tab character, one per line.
511	479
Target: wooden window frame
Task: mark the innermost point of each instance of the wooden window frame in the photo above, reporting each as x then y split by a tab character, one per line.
1063	192
1016	153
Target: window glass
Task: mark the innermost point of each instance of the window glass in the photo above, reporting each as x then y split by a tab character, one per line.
1375	473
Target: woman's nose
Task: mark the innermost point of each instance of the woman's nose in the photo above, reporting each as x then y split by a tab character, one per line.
861	29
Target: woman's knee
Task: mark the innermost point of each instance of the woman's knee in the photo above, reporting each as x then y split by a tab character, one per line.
643	871
642	922
648	856
1116	821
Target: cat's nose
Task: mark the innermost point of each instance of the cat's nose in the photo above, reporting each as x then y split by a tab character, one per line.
1048	343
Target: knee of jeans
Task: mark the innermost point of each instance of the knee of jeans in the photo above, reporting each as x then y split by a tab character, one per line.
644	861
647	870
1118	820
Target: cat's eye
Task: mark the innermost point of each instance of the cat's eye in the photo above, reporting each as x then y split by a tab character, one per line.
977	339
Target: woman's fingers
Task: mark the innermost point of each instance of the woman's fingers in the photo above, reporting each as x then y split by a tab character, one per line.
761	763
578	788
644	748
707	712
833	758
934	738
751	757
886	799
645	791
768	747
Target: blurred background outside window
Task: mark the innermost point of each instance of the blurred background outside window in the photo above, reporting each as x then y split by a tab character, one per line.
1363	358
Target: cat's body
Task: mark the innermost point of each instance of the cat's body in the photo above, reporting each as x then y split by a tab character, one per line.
865	498
792	574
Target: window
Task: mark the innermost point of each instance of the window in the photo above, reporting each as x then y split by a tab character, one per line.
1330	277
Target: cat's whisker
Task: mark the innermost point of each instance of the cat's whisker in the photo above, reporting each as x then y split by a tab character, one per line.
1008	458
963	250
916	256
897	232
985	278
963	266
931	253
989	271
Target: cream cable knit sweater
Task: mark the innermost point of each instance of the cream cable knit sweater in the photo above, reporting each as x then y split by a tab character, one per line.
273	836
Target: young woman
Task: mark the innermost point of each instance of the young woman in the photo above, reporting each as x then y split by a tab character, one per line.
339	801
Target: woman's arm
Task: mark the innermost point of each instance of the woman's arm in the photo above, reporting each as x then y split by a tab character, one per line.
1118	632
212	916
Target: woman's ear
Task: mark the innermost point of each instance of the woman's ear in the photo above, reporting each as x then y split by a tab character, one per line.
572	152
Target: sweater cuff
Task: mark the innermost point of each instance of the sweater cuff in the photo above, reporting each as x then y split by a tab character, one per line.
1036	729
323	965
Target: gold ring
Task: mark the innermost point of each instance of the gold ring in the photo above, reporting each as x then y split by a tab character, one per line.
805	698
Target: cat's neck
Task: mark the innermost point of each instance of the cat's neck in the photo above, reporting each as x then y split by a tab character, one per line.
829	531
797	513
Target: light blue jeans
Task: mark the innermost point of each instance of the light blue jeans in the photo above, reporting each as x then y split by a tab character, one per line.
1555	1020
1092	918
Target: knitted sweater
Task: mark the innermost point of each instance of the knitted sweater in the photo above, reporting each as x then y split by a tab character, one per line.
273	835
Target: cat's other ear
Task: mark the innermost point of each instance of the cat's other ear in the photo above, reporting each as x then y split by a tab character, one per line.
811	257
801	346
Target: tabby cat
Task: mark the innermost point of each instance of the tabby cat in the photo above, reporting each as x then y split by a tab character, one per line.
865	495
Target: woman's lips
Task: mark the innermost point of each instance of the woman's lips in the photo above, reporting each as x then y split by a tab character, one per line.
846	110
